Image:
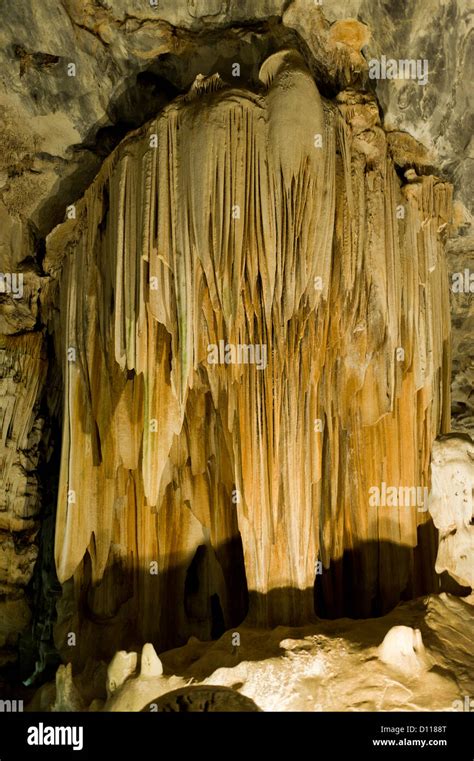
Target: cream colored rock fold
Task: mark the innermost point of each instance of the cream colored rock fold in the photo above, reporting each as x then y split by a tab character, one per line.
269	220
452	505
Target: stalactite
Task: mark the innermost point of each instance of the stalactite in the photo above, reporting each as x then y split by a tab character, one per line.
266	220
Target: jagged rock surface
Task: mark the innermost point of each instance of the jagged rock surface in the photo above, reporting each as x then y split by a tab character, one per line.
23	366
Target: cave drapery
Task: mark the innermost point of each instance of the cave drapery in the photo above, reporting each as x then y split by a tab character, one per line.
275	219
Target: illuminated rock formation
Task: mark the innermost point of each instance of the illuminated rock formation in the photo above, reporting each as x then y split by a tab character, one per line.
403	649
452	506
269	227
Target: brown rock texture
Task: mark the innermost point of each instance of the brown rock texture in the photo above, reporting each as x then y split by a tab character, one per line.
22	377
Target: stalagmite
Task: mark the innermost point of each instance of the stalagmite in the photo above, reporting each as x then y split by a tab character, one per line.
150	665
67	695
274	224
120	668
133	690
403	649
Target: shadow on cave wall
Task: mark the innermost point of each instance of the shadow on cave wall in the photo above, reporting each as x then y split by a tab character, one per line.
127	609
130	607
402	573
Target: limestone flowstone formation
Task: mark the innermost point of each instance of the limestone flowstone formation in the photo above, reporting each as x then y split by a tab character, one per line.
271	218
